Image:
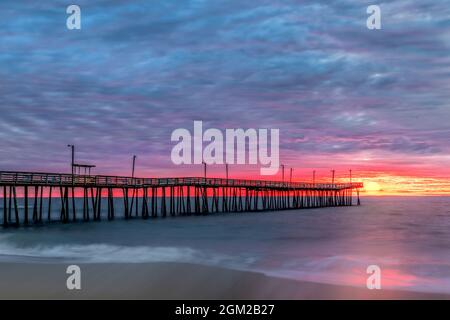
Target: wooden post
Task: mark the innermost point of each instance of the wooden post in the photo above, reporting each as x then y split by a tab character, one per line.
74	210
5	208
40	204
125	202
163	203
25	195
35	204
99	204
10	203
16	208
49	204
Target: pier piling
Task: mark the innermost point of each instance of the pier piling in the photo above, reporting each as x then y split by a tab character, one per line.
158	197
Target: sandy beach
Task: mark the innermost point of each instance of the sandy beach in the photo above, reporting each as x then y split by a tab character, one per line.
172	281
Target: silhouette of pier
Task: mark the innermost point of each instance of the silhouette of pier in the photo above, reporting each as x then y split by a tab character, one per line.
154	197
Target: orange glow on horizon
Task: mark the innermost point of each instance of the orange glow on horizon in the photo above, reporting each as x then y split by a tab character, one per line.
391	185
376	183
372	186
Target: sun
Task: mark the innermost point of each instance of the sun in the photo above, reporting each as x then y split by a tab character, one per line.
372	186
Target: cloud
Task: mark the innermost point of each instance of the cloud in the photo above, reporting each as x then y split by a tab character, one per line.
137	71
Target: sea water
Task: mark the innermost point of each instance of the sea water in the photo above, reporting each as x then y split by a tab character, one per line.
407	237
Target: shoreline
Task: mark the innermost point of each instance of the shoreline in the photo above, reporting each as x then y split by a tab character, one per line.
174	281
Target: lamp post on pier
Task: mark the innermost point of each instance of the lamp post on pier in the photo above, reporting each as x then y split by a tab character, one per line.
204	169
72	148
134	164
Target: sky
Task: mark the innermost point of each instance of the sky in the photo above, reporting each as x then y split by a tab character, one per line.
343	96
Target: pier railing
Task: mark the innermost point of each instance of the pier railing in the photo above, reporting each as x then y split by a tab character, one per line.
58	179
154	197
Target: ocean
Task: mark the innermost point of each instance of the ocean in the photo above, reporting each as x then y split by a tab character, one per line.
407	237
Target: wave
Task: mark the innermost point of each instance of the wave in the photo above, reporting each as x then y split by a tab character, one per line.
413	275
105	253
339	270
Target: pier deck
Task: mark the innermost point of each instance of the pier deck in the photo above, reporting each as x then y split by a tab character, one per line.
155	197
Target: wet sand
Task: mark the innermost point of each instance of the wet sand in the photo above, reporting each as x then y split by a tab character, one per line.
172	281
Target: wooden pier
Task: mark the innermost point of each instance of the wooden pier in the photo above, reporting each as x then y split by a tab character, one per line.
153	197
